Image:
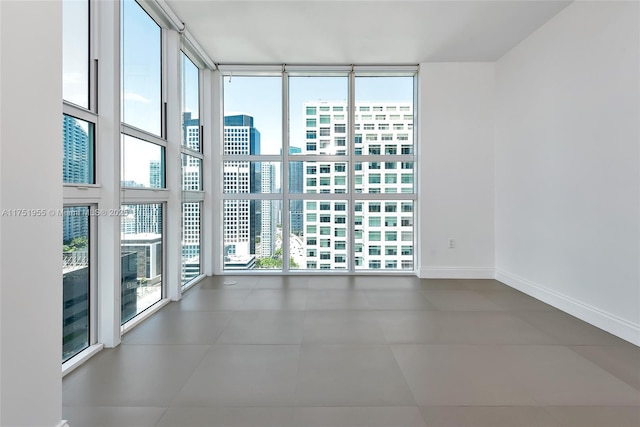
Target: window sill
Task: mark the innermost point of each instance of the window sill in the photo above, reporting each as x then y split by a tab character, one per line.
77	360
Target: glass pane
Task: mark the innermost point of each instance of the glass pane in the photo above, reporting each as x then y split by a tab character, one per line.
388	128
75	281
190	104
141	258
141	67
190	240
321	241
384	177
191	173
252	115
142	163
252	234
252	177
318	177
78	149
75	52
315	128
384	235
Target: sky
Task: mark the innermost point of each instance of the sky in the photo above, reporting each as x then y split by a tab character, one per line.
75	67
261	97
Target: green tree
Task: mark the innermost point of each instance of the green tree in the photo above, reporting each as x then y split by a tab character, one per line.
75	244
274	261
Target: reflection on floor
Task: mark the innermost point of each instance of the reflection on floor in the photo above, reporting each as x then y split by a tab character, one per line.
358	351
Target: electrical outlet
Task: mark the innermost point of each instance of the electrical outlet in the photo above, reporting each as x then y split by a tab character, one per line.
452	243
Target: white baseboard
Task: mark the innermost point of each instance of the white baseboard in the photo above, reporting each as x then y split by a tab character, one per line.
611	323
63	423
456	273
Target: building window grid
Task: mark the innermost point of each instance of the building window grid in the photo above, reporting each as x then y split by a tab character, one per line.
392	235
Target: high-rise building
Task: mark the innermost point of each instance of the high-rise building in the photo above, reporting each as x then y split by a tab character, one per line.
268	213
383	229
190	240
156	174
296	179
191	132
76	160
141	219
242	217
191	181
77	153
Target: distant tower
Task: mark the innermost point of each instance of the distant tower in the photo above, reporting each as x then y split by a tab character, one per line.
268	217
191	181
77	161
240	176
296	178
156	177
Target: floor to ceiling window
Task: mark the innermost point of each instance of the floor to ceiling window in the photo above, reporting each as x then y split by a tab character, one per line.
79	122
384	172
344	201
252	172
191	161
142	163
134	140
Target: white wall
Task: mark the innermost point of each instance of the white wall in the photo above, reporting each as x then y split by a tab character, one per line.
456	185
30	178
567	165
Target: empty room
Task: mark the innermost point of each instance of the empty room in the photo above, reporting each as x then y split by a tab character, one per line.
319	213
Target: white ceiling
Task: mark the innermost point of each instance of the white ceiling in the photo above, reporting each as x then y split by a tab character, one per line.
360	32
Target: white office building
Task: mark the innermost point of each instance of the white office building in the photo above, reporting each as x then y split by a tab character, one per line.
383	228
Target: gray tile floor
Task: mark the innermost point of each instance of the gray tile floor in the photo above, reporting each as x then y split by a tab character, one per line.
358	351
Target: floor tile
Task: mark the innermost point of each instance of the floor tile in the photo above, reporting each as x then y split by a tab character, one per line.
515	301
386	283
468	327
72	376
262	417
442	284
557	376
339	375
341	327
111	416
623	361
593	416
282	282
271	299
243	375
373	416
229	282
228	417
460	375
398	300
264	327
173	327
332	351
135	375
341	283
484	285
337	300
568	329
459	300
210	300
485	416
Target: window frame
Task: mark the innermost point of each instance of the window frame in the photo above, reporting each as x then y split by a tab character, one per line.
192	196
87	194
350	159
